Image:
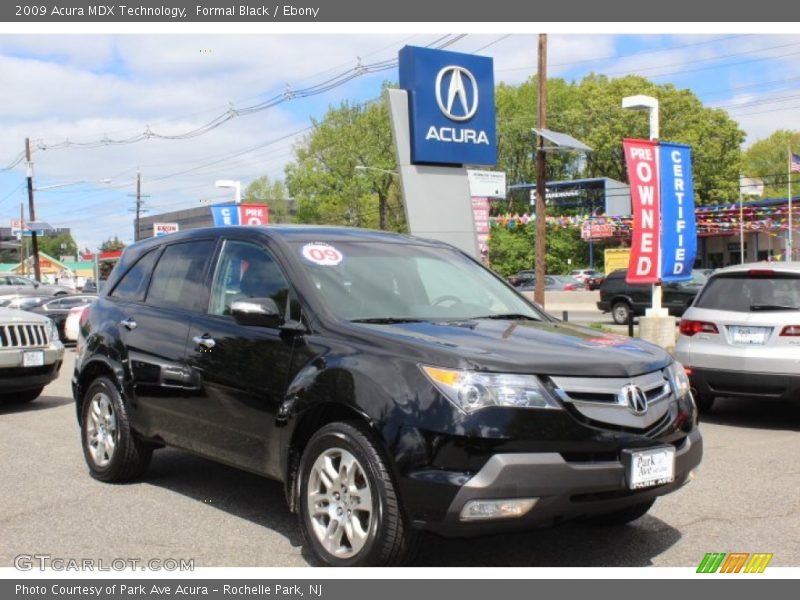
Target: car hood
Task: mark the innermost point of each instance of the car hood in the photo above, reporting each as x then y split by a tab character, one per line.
519	346
11	315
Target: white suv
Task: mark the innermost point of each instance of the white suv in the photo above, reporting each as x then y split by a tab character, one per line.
741	336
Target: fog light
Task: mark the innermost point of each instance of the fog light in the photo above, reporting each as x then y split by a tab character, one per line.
481	510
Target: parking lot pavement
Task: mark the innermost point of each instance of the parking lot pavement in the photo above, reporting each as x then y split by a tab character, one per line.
744	500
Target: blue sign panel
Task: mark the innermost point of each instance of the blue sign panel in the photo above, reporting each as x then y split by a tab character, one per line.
451	106
225	214
678	227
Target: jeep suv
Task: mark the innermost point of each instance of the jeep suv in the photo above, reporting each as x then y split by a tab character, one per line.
30	355
392	384
625	299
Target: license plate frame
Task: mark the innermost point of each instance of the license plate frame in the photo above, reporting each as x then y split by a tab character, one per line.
746	335
33	358
649	467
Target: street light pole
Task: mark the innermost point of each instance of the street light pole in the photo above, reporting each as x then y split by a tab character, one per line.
230	183
541	176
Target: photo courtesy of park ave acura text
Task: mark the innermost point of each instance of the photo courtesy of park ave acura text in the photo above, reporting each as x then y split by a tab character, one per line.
396	298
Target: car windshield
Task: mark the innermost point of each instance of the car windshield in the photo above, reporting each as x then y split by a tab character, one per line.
390	282
760	291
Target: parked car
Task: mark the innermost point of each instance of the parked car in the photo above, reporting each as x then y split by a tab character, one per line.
59	308
589	277
14	284
30	355
92	287
432	397
741	337
72	322
23	302
525	281
623	299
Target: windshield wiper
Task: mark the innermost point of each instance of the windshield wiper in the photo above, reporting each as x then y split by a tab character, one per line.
507	317
772	307
386	320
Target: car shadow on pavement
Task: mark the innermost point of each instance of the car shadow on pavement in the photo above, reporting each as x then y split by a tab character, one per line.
41	403
754	413
232	490
572	544
262	502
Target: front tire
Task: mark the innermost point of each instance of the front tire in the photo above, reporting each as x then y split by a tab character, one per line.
112	452
349	511
622	516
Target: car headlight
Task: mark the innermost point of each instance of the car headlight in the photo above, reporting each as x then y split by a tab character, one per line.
678	379
471	390
52	331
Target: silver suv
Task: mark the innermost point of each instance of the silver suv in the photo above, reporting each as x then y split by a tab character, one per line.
741	336
30	355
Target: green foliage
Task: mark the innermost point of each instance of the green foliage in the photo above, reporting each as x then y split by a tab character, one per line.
112	244
591	111
324	181
768	160
53	245
514	250
271	193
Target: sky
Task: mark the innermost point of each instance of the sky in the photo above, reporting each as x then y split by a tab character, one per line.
89	88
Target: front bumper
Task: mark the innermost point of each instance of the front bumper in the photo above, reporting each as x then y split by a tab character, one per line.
767	386
566	490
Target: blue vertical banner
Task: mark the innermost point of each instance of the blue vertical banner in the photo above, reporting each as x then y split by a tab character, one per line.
678	227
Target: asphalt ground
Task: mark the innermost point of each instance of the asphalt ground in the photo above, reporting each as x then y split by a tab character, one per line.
745	499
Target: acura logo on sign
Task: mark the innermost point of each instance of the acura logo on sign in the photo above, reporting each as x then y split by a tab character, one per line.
455	95
634	398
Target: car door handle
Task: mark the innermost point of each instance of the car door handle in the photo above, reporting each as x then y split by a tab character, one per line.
128	324
204	341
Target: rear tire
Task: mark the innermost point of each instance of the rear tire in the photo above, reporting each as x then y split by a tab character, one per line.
21	397
112	452
621	312
349	510
622	516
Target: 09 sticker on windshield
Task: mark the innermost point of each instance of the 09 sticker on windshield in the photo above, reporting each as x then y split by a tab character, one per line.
322	254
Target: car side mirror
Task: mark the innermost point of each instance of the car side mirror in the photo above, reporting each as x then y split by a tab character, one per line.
259	312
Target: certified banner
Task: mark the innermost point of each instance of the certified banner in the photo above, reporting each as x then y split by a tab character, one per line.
679	235
641	158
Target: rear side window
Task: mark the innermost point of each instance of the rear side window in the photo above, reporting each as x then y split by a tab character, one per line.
743	292
133	284
179	277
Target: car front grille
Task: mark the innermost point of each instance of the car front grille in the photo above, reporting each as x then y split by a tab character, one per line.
23	336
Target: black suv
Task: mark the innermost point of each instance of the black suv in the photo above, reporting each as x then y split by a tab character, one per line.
623	299
392	384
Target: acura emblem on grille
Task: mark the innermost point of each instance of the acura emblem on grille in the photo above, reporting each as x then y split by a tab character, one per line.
634	397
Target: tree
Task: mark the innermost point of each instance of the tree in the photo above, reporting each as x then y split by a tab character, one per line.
271	193
324	181
513	250
591	111
767	160
112	244
59	245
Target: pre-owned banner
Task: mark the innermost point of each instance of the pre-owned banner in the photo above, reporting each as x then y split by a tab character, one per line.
679	231
641	158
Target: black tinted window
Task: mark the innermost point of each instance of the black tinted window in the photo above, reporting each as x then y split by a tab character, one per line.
133	284
178	279
744	293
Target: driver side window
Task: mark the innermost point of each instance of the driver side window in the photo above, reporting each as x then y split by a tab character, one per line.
246	271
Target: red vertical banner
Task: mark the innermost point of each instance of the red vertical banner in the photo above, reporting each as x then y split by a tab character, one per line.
641	158
253	214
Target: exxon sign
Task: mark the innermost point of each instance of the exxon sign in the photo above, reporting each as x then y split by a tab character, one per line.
451	106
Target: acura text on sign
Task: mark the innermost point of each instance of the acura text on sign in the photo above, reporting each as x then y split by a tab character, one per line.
641	158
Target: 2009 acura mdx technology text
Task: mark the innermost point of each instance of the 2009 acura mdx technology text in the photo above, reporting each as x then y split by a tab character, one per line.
392	384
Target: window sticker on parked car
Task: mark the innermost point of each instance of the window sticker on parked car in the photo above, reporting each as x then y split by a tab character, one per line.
322	254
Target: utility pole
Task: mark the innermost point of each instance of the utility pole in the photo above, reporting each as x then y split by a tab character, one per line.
541	163
22	256
138	204
32	211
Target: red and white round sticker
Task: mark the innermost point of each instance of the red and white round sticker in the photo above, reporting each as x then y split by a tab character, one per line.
322	254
